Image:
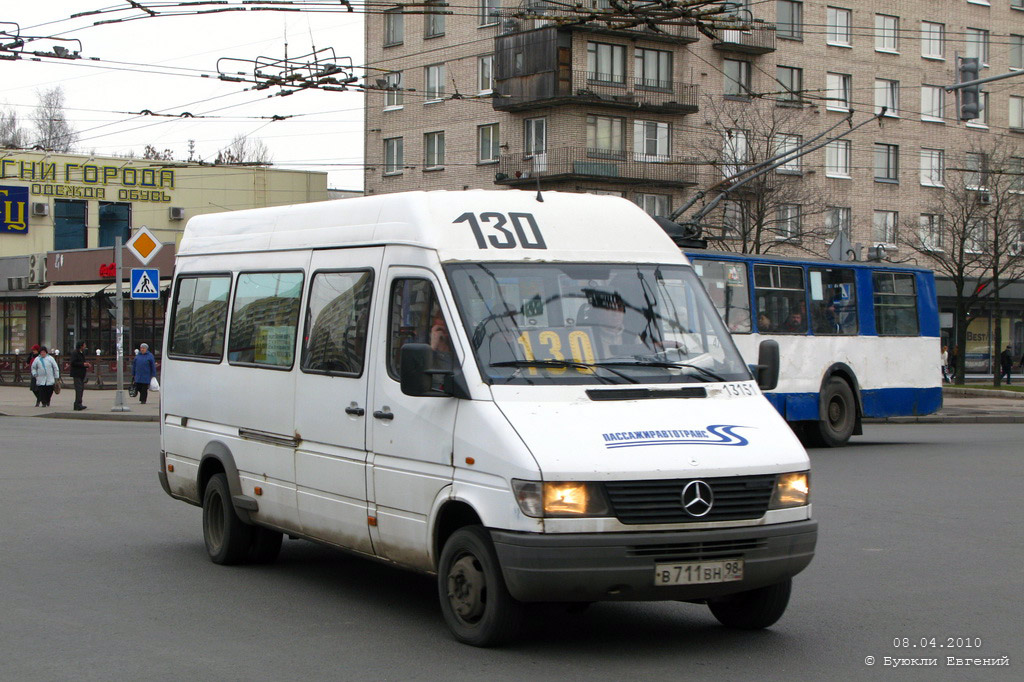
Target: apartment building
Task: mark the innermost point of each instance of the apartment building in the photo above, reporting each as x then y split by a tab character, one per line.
493	95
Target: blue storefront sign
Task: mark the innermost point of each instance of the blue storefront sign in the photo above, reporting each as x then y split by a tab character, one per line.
13	210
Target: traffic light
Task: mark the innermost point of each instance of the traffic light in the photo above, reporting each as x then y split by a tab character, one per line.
970	104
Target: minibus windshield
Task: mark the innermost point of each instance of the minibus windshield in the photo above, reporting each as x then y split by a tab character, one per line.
592	323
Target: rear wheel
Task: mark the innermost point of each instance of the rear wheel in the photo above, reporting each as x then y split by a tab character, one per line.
753	610
227	537
474	599
835	427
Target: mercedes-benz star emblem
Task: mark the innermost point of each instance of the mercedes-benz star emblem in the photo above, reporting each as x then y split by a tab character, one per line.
697	498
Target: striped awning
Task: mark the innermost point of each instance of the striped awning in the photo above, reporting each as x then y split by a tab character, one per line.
73	290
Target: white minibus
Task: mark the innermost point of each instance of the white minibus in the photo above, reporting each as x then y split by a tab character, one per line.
530	396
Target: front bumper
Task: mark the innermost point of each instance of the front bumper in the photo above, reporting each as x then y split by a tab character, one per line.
620	566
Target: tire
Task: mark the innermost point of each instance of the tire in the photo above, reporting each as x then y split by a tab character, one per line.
265	546
753	610
474	599
835	429
227	538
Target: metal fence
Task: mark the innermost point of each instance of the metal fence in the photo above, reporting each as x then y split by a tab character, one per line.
597	164
14	370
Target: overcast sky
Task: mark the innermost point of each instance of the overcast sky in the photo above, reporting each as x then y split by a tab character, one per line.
327	136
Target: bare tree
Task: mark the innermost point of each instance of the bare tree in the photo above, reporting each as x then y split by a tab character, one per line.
53	131
151	152
12	135
973	234
783	208
245	151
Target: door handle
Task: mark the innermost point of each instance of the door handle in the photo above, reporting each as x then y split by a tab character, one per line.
381	414
355	411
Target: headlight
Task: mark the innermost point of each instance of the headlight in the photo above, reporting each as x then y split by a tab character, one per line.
791	490
560	498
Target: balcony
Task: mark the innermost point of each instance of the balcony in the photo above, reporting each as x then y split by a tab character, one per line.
553	88
603	166
760	39
530	14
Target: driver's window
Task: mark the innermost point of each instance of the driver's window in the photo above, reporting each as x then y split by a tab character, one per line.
415	316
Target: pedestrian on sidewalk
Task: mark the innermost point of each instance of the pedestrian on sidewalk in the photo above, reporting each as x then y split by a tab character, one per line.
47	374
945	364
143	371
32	382
79	367
1006	364
953	356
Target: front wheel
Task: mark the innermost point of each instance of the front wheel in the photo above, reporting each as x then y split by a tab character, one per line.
755	609
840	417
474	599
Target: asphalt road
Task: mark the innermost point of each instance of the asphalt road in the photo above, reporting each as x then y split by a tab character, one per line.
104	577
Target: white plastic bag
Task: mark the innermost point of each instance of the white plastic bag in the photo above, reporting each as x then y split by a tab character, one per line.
154	385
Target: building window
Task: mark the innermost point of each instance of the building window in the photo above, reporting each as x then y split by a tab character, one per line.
605	138
433	19
394	97
787	222
884	226
1017	112
792	81
606	63
837	159
655	204
933	40
394	155
930	230
837	91
887	96
115	223
485	74
650	141
837	221
737	77
1017	175
652	69
69	222
789	19
433	150
733	219
1016	51
886	33
489	10
976	235
434	78
977	45
933	167
487	143
784	144
535	136
1017	4
394	27
838	32
975	169
887	163
982	120
933	103
735	152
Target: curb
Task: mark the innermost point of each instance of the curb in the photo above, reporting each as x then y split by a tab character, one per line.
952	419
981	392
95	416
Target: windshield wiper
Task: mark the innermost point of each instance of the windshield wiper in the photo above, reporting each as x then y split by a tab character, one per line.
567	364
661	363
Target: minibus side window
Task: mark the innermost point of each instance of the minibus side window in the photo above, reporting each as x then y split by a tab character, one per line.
895	304
200	316
415	317
833	301
781	299
337	319
264	319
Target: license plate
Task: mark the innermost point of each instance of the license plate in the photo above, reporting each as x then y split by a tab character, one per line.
698	572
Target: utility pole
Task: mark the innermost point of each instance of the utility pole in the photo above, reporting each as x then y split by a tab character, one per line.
119	405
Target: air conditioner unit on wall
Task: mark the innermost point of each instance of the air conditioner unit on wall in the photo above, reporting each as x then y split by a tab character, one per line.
984	198
176	213
40	208
37	268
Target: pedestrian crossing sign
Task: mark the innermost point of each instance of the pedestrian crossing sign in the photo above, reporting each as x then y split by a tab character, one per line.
146	283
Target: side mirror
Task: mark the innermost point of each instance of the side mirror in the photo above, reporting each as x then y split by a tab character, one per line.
416	360
768	365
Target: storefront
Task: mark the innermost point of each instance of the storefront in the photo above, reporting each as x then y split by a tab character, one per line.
978	346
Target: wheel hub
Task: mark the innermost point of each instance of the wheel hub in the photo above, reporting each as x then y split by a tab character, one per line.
467	589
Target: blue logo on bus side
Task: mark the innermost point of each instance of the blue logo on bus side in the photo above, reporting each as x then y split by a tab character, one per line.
715	434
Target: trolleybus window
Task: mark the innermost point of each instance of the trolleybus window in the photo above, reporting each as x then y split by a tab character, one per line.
727	286
264	319
895	304
200	315
781	300
833	301
337	318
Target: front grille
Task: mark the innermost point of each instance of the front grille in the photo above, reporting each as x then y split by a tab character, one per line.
661	501
699	551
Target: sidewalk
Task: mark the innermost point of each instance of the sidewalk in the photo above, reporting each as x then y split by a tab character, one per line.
18	401
960	406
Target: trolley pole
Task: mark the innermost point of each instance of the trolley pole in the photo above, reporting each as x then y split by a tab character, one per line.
119	405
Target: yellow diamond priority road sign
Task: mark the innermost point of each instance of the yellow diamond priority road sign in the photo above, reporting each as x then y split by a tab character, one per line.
143	245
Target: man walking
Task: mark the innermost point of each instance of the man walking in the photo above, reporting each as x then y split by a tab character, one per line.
1006	364
79	367
143	371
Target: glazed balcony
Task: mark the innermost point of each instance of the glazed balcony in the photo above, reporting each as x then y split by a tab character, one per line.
596	166
532	14
552	88
759	39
